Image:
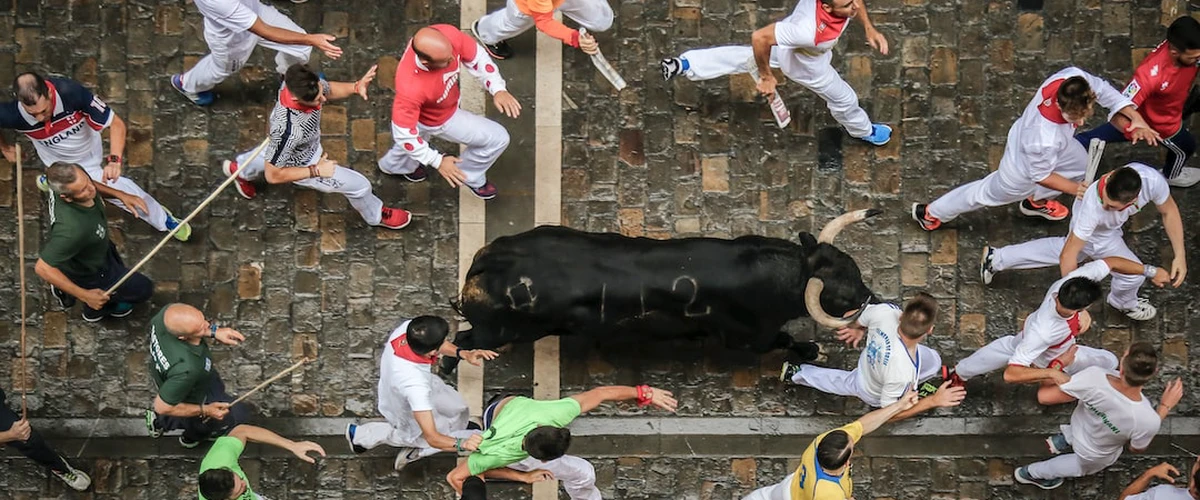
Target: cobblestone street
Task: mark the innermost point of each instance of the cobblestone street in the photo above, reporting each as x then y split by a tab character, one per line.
295	269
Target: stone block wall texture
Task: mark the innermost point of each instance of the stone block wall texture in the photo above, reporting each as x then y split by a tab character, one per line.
294	267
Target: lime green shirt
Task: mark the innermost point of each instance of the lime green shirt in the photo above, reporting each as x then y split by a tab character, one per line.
180	370
78	242
501	444
224	454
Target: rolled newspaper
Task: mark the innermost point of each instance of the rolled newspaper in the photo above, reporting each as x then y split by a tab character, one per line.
782	116
605	68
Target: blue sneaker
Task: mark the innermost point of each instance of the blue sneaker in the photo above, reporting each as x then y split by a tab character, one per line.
1058	444
350	429
1022	476
184	233
880	134
42	184
122	310
198	98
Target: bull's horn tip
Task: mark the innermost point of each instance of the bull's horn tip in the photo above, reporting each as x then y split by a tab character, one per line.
871	212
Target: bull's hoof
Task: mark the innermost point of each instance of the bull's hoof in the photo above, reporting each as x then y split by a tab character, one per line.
808	352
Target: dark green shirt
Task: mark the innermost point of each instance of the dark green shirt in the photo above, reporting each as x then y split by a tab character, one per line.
179	369
78	243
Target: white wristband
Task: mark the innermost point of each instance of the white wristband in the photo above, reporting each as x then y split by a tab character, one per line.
1149	271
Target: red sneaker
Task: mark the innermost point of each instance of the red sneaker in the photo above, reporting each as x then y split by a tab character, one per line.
244	187
948	375
395	218
1049	210
485	192
927	222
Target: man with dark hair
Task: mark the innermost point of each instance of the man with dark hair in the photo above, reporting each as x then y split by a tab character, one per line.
64	121
1111	413
424	415
801	45
232	28
295	154
426	106
1046	350
1095	233
16	433
191	395
78	260
527	435
1041	159
824	472
221	477
1140	489
1159	88
894	361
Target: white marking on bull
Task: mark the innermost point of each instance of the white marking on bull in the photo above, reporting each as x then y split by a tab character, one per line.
527	283
695	290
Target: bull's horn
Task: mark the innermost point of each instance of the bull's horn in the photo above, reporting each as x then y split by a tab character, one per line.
812	299
835	226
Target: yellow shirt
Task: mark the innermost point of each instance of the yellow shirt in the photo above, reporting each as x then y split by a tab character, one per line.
812	483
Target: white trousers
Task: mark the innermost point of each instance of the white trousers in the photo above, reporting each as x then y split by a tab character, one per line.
996	354
576	475
779	491
350	183
815	73
157	218
1071	464
506	23
484	139
373	434
849	383
1045	252
228	54
992	191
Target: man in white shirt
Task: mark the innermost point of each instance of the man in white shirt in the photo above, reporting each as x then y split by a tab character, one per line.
1112	412
424	415
893	362
1096	233
800	45
232	29
1137	490
1041	159
1046	350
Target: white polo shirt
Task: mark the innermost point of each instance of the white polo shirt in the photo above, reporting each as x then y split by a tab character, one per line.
1047	335
1091	222
885	367
1104	420
406	387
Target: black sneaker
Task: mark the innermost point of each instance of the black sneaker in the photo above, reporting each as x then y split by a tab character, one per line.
927	222
671	67
788	371
92	316
64	299
499	50
418	175
187	443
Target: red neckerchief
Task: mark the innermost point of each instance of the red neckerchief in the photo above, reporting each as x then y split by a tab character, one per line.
1049	105
53	104
286	99
829	26
1073	324
401	349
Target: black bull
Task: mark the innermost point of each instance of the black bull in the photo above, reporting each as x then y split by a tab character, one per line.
559	281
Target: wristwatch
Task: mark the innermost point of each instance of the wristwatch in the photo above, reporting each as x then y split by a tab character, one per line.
212	330
1149	271
113	159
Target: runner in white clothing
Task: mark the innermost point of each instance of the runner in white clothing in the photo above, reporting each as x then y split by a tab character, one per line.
893	362
424	415
1041	159
1045	350
1096	233
1137	490
232	29
1112	411
800	45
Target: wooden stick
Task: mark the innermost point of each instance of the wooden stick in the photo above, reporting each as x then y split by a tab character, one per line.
187	219
21	266
270	380
1180	448
778	108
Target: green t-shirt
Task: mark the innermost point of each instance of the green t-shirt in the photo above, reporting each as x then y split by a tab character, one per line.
502	441
78	243
180	370
224	454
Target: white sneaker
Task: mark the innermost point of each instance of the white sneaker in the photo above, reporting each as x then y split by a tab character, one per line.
75	478
1188	177
986	273
1143	311
406	456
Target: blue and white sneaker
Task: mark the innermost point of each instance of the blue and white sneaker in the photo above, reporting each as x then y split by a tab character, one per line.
198	98
42	184
880	134
184	233
1021	474
1058	444
122	310
350	429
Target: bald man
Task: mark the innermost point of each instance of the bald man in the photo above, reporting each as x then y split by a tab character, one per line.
191	395
426	106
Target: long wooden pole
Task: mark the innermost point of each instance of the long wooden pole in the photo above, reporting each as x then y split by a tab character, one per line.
21	273
187	219
270	380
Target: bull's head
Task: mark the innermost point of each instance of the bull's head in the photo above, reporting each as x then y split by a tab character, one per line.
836	283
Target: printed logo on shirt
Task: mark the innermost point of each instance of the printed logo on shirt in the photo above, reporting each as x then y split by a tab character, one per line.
821	26
874	349
100	231
450	79
1164	86
76	126
207	364
1131	90
1103	418
98	104
160	360
1154	70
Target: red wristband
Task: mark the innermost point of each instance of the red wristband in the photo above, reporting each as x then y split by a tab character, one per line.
644	395
1060	366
